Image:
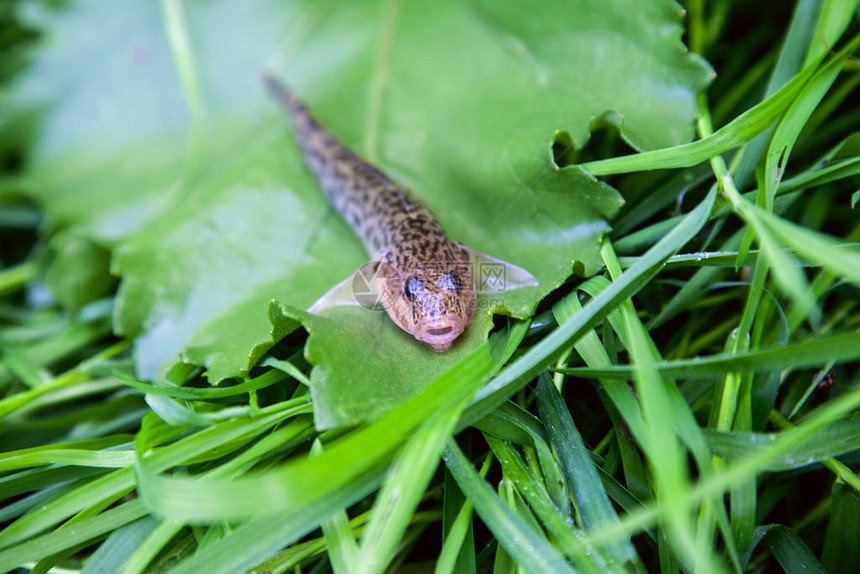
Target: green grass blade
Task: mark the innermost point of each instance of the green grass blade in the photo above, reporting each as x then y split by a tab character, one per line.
149	548
788	130
592	351
834	18
67	456
820	176
512	423
841	552
275	491
571	541
122	480
121	544
663	449
37	479
533	552
66	505
814	352
402	491
718	482
791	552
61	539
270	377
255	541
666	397
457	555
339	538
693	286
544	353
581	474
833	440
791	60
819	248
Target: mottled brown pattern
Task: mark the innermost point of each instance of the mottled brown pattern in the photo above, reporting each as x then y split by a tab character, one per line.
396	228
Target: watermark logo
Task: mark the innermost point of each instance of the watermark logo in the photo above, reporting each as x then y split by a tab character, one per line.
367	286
492	277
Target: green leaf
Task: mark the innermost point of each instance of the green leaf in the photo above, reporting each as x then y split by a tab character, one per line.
193	180
337	531
741	130
832	21
345	356
788	130
821	249
67	456
117	482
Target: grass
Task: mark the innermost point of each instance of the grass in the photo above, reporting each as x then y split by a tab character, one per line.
693	407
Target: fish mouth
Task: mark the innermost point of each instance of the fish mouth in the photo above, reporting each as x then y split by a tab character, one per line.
439	335
438	332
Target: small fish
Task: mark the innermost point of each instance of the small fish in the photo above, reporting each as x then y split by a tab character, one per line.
424	279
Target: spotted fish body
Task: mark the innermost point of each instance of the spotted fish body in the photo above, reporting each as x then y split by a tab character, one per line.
426	283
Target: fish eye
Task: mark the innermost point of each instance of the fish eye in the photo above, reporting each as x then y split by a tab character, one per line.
412	287
451	282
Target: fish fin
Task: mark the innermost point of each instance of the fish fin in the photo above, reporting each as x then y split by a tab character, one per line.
494	275
361	288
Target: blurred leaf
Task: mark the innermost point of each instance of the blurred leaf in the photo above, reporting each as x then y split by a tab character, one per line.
79	272
207	498
60	539
212	215
835	439
457	554
408	478
297	496
149	548
834	18
841	553
119	546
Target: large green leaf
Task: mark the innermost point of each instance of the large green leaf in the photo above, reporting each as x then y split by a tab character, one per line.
189	172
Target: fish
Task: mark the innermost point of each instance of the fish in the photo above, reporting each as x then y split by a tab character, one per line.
422	279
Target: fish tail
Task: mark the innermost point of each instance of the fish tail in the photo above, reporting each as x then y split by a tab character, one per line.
283	94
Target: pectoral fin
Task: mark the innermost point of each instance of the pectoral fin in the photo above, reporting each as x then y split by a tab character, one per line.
362	288
494	275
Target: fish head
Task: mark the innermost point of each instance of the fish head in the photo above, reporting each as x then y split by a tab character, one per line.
433	302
